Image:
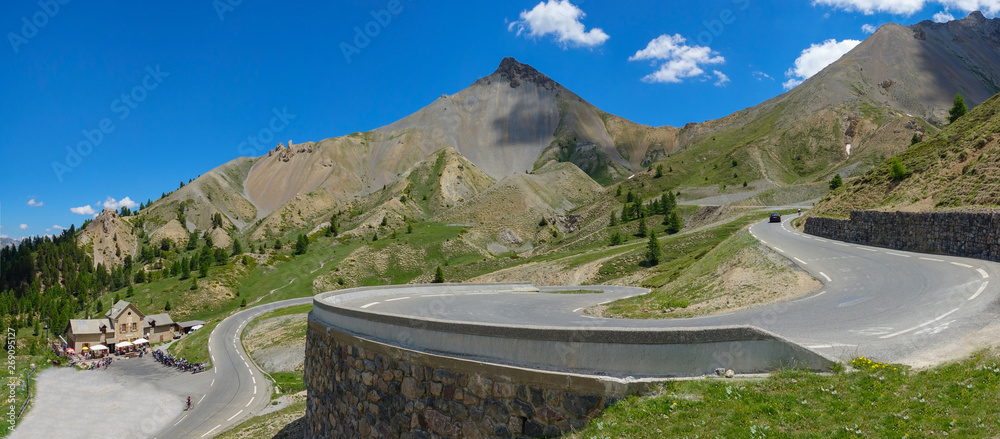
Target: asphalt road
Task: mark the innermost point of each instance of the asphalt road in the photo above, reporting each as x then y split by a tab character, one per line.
234	389
886	304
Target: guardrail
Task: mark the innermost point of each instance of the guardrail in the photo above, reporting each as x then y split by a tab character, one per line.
27	388
620	352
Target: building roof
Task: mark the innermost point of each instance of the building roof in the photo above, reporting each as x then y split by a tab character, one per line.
89	326
118	308
161	319
190	323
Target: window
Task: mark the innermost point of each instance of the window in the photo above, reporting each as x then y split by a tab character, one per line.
133	326
124	327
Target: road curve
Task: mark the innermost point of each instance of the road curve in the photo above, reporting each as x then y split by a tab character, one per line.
234	389
886	304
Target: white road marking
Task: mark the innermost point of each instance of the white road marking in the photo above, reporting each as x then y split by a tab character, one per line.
920	325
821	240
233	416
801	261
866	248
980	291
213	383
983	273
778	249
763	241
397	298
216	369
878	330
435	295
370	305
245	364
897	254
210	431
825	276
181	419
841	244
932	259
831	345
213	358
254	390
482	294
202	398
254	379
814	295
251	401
961	265
577	310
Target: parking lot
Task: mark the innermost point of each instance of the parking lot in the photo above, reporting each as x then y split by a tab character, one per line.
134	398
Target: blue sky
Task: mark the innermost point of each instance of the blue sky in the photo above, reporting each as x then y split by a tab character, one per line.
127	99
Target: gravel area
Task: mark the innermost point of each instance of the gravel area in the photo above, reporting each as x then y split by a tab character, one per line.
134	398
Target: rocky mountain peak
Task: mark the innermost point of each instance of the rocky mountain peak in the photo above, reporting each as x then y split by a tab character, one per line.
516	73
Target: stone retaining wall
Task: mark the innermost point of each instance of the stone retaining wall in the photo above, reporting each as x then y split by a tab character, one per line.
965	234
364	389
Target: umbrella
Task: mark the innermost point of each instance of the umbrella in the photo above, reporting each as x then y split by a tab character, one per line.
85	348
99	347
140	341
123	344
70	350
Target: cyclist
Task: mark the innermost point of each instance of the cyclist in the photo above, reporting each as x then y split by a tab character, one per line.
189	404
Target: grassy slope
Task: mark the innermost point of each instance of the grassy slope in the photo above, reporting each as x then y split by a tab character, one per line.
956	168
691	273
877	400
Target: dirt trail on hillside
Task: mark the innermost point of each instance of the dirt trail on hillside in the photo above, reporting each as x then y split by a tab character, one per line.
551	273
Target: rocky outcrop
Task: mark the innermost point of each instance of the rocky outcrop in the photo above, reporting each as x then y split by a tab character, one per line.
110	237
515	73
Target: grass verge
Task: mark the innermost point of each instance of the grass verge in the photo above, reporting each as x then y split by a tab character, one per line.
878	400
284	423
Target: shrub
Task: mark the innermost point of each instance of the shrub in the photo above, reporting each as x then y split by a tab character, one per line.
897	170
836	182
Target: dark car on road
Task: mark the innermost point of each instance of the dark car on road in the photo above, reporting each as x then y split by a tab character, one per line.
775	217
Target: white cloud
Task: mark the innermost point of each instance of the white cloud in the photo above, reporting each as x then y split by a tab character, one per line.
721	78
760	76
910	7
868	28
24	226
113	204
679	60
34	203
816	58
943	16
83	210
560	18
58	227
